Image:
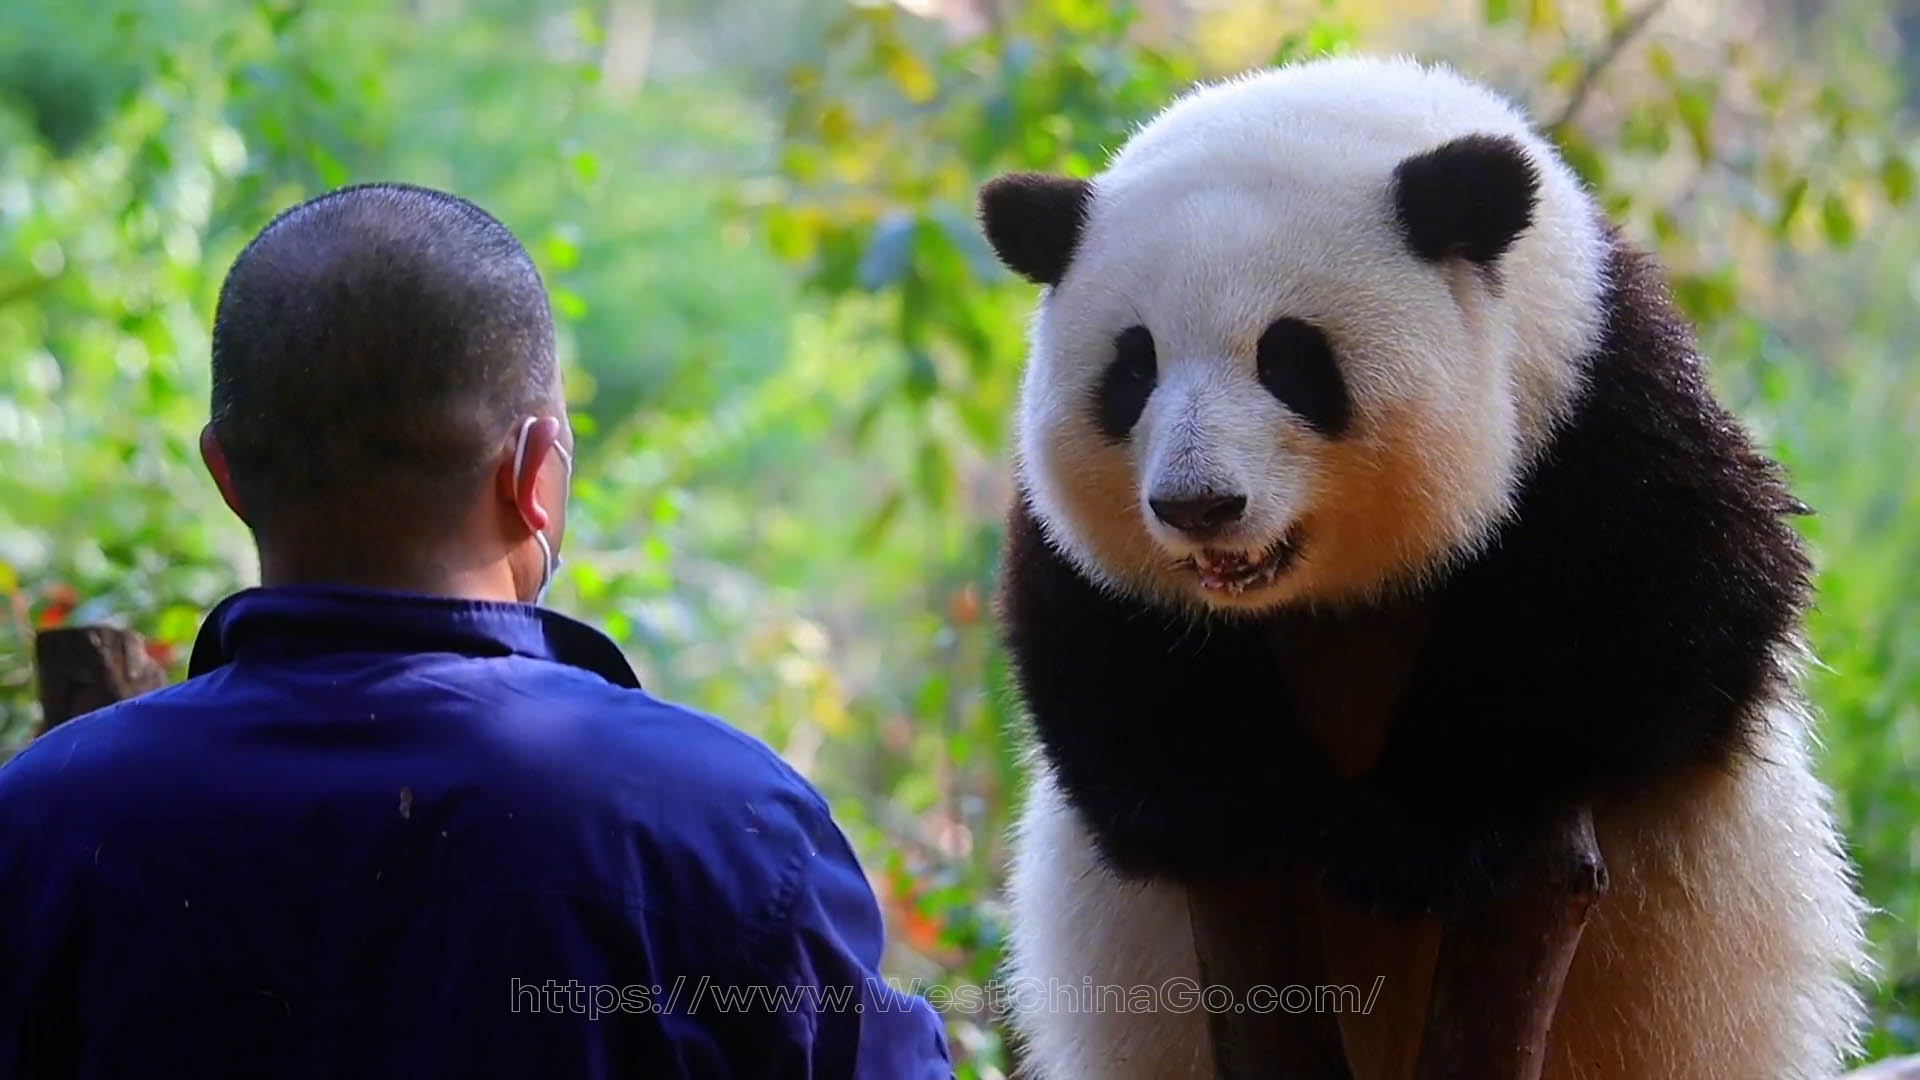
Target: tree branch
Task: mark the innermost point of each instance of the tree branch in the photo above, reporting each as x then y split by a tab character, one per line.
1616	43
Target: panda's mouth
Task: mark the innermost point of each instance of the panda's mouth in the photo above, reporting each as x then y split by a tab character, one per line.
1235	572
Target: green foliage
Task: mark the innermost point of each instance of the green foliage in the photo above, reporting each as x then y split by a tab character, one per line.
792	357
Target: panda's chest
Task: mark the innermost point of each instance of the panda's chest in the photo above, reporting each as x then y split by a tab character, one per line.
1344	675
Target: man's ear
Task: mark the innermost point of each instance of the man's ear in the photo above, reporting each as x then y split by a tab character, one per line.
1033	221
215	459
523	490
1469	199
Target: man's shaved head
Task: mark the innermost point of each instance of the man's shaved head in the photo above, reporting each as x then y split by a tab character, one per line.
372	351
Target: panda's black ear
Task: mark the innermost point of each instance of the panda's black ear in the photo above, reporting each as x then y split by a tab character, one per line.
1469	199
1033	221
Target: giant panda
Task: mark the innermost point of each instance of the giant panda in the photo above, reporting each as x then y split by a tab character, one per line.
1372	508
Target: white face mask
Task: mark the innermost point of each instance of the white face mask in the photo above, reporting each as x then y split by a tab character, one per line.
550	560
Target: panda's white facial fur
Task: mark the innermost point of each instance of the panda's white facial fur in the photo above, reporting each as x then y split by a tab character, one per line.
1245	265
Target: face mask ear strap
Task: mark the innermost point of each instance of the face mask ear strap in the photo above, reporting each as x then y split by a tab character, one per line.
549	564
520	449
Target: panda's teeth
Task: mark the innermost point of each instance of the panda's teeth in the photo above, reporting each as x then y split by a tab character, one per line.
1234	572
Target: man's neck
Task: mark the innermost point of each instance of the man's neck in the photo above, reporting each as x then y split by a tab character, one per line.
486	581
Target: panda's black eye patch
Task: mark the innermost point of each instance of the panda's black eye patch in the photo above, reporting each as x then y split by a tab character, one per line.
1127	383
1297	366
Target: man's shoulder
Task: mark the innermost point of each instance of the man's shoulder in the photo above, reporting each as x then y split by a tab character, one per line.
73	752
620	734
688	816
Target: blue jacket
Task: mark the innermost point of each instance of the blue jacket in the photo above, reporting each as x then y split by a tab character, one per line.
385	835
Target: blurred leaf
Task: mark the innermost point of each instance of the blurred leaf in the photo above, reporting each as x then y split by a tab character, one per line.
332	172
1660	62
922	378
1695	106
1582	157
1896	176
1837	220
567	304
1543	16
911	75
876	525
1790	203
560	252
933	473
1665	228
888	252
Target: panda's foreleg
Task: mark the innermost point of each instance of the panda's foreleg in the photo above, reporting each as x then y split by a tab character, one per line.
1075	924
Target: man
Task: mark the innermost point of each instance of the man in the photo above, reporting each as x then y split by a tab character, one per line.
400	821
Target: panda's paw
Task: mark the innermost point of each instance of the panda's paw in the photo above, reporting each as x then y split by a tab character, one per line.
1399	861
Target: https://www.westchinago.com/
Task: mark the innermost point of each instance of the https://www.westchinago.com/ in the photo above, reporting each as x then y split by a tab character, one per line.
691	996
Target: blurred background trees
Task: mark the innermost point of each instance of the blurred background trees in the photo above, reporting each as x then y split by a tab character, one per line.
791	358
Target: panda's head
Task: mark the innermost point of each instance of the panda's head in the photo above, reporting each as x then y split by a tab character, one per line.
1302	338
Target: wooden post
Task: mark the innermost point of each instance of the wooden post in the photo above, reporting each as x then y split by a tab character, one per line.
1249	949
1496	983
1502	967
83	668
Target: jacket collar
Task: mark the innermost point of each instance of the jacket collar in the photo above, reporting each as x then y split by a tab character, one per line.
305	620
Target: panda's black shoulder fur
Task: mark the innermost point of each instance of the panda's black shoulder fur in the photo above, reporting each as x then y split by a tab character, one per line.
1616	634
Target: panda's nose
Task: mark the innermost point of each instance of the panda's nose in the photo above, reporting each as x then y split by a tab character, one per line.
1201	514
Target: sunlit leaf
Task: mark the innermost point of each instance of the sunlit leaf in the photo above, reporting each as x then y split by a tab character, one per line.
559	251
1543	16
1564	72
836	123
568	304
911	74
791	235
